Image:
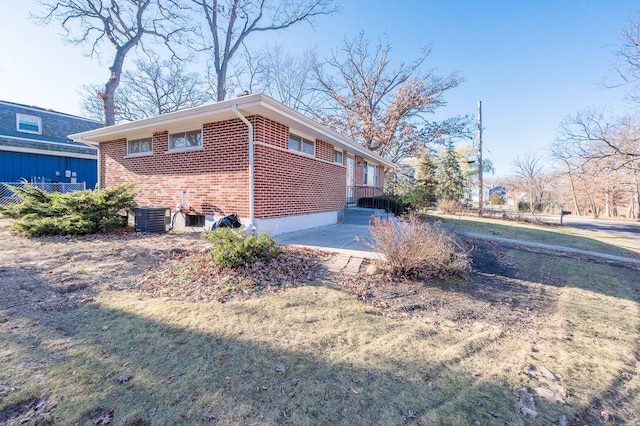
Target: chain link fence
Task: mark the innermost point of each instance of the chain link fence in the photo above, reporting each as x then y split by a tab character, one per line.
8	197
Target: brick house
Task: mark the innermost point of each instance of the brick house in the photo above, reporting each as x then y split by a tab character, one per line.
278	170
34	146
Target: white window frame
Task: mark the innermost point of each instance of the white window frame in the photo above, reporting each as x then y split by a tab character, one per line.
301	143
140	141
20	117
368	178
177	135
335	155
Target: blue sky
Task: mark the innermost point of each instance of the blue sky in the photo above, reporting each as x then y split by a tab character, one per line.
531	63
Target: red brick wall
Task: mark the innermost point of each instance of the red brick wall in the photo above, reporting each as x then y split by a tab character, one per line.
289	183
216	177
269	131
324	151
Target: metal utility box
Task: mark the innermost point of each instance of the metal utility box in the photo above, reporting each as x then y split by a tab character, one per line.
152	219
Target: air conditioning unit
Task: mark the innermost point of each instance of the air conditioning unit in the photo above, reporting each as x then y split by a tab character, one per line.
152	219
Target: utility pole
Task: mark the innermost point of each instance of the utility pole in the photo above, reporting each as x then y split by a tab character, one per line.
481	188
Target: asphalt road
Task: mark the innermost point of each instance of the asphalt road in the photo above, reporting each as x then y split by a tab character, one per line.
618	228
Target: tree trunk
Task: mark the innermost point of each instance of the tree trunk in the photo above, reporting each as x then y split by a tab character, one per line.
221	93
108	97
573	194
109	102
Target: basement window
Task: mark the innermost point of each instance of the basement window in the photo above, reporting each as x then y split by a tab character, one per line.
194	220
28	124
185	140
298	143
139	146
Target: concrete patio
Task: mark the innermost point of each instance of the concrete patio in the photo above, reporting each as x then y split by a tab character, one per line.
345	239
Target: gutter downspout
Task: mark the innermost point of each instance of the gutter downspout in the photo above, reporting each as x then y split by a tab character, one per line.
98	180
252	227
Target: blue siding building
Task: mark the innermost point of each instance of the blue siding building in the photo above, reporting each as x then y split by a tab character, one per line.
34	146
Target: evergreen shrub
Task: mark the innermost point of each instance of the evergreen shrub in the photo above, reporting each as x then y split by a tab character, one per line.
76	212
232	249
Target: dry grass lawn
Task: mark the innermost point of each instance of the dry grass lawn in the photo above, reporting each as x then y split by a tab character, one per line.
530	338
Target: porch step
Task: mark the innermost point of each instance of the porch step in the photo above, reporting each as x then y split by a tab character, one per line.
362	215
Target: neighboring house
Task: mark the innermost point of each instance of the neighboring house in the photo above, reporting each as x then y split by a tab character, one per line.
278	170
34	146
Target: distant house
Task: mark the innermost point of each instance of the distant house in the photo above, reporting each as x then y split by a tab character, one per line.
277	169
34	146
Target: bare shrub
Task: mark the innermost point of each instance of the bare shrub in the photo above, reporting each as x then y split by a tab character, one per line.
413	247
448	206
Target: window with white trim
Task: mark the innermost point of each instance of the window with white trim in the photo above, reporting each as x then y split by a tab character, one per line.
185	140
298	143
337	157
139	146
28	124
370	174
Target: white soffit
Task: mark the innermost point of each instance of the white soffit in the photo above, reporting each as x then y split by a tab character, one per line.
194	118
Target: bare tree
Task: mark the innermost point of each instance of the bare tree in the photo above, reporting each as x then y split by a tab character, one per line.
229	23
289	78
600	154
121	23
568	170
598	143
385	109
528	172
91	105
246	73
156	87
593	136
628	64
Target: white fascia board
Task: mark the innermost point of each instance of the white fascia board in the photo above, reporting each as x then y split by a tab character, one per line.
258	103
173	120
327	134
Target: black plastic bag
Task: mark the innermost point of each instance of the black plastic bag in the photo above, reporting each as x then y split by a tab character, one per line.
230	221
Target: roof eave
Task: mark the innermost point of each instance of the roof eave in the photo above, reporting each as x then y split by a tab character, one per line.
94	137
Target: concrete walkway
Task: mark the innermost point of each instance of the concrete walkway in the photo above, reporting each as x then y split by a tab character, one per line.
348	242
554	248
340	238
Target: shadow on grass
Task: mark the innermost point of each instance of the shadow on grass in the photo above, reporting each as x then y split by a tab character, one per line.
551	268
181	376
168	371
155	362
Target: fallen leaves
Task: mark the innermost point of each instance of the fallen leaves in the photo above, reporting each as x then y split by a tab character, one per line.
190	276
